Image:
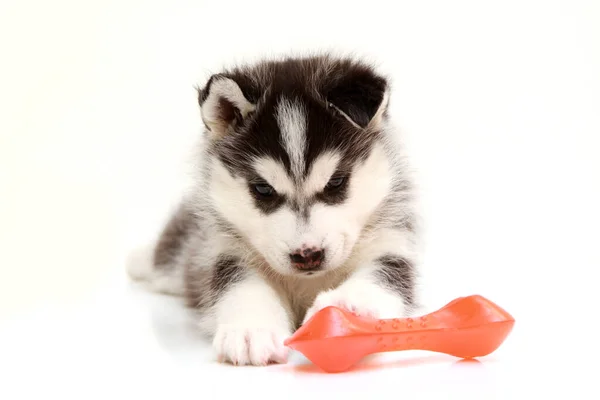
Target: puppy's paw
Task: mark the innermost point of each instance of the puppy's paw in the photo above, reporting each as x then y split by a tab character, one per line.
251	345
367	300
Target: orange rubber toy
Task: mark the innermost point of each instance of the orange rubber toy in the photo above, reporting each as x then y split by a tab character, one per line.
468	327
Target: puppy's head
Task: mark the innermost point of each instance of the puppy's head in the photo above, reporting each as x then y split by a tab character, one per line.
296	164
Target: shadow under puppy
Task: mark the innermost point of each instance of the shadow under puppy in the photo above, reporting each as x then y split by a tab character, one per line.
301	200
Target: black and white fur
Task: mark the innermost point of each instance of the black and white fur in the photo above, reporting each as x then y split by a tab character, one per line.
299	154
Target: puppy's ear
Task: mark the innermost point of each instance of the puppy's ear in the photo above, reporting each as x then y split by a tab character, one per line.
360	96
223	105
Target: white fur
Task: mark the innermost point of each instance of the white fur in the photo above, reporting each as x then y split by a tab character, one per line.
320	172
251	324
291	118
275	174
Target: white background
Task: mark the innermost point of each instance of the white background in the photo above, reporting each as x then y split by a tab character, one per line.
499	103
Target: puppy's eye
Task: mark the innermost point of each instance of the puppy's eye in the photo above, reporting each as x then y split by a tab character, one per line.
263	190
336	182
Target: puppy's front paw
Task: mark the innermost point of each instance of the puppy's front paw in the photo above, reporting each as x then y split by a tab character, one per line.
249	345
365	301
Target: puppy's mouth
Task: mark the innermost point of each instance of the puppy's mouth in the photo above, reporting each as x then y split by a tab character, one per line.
303	269
310	273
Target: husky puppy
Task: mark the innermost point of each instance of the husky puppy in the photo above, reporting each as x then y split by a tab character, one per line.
302	201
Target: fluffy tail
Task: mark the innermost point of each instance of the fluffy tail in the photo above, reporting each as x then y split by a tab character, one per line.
141	268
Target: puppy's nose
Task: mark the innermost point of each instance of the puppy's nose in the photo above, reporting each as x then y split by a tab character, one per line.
307	259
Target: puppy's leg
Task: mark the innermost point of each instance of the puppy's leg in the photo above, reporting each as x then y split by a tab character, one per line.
250	322
382	286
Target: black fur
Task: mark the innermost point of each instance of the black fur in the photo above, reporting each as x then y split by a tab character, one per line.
180	226
228	271
397	274
358	95
266	204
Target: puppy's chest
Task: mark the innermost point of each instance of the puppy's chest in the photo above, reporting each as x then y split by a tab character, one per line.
301	293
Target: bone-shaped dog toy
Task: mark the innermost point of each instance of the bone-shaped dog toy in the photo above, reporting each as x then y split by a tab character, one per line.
468	327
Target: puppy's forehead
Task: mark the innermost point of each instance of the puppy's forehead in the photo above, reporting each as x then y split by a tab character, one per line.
302	126
294	130
308	132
